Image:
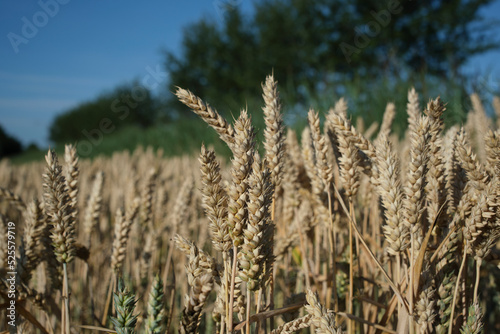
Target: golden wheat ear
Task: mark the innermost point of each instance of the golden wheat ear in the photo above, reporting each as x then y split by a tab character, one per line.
208	114
59	209
274	133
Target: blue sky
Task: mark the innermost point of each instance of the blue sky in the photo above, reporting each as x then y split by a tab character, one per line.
82	48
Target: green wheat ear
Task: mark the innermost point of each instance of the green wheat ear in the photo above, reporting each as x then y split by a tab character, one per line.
474	324
156	308
124	305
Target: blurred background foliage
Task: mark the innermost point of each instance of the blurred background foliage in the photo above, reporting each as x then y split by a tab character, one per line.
371	52
125	105
9	145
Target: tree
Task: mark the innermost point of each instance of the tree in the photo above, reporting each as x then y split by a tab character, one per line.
216	61
318	46
125	105
8	145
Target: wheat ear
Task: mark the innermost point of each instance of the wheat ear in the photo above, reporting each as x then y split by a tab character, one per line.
208	114
474	324
294	325
59	209
243	152
415	184
125	301
33	233
492	141
259	200
388	118
435	186
156	308
274	133
201	283
123	224
214	200
324	167
93	209
468	160
391	194
413	110
72	175
324	321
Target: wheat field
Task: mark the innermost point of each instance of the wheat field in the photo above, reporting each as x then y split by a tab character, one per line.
347	230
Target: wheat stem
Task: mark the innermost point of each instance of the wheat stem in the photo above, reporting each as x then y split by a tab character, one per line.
455	293
66	299
333	253
350	323
231	296
249	298
478	277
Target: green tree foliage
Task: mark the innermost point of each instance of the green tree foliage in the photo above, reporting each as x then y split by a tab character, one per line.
8	145
222	54
128	104
318	47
